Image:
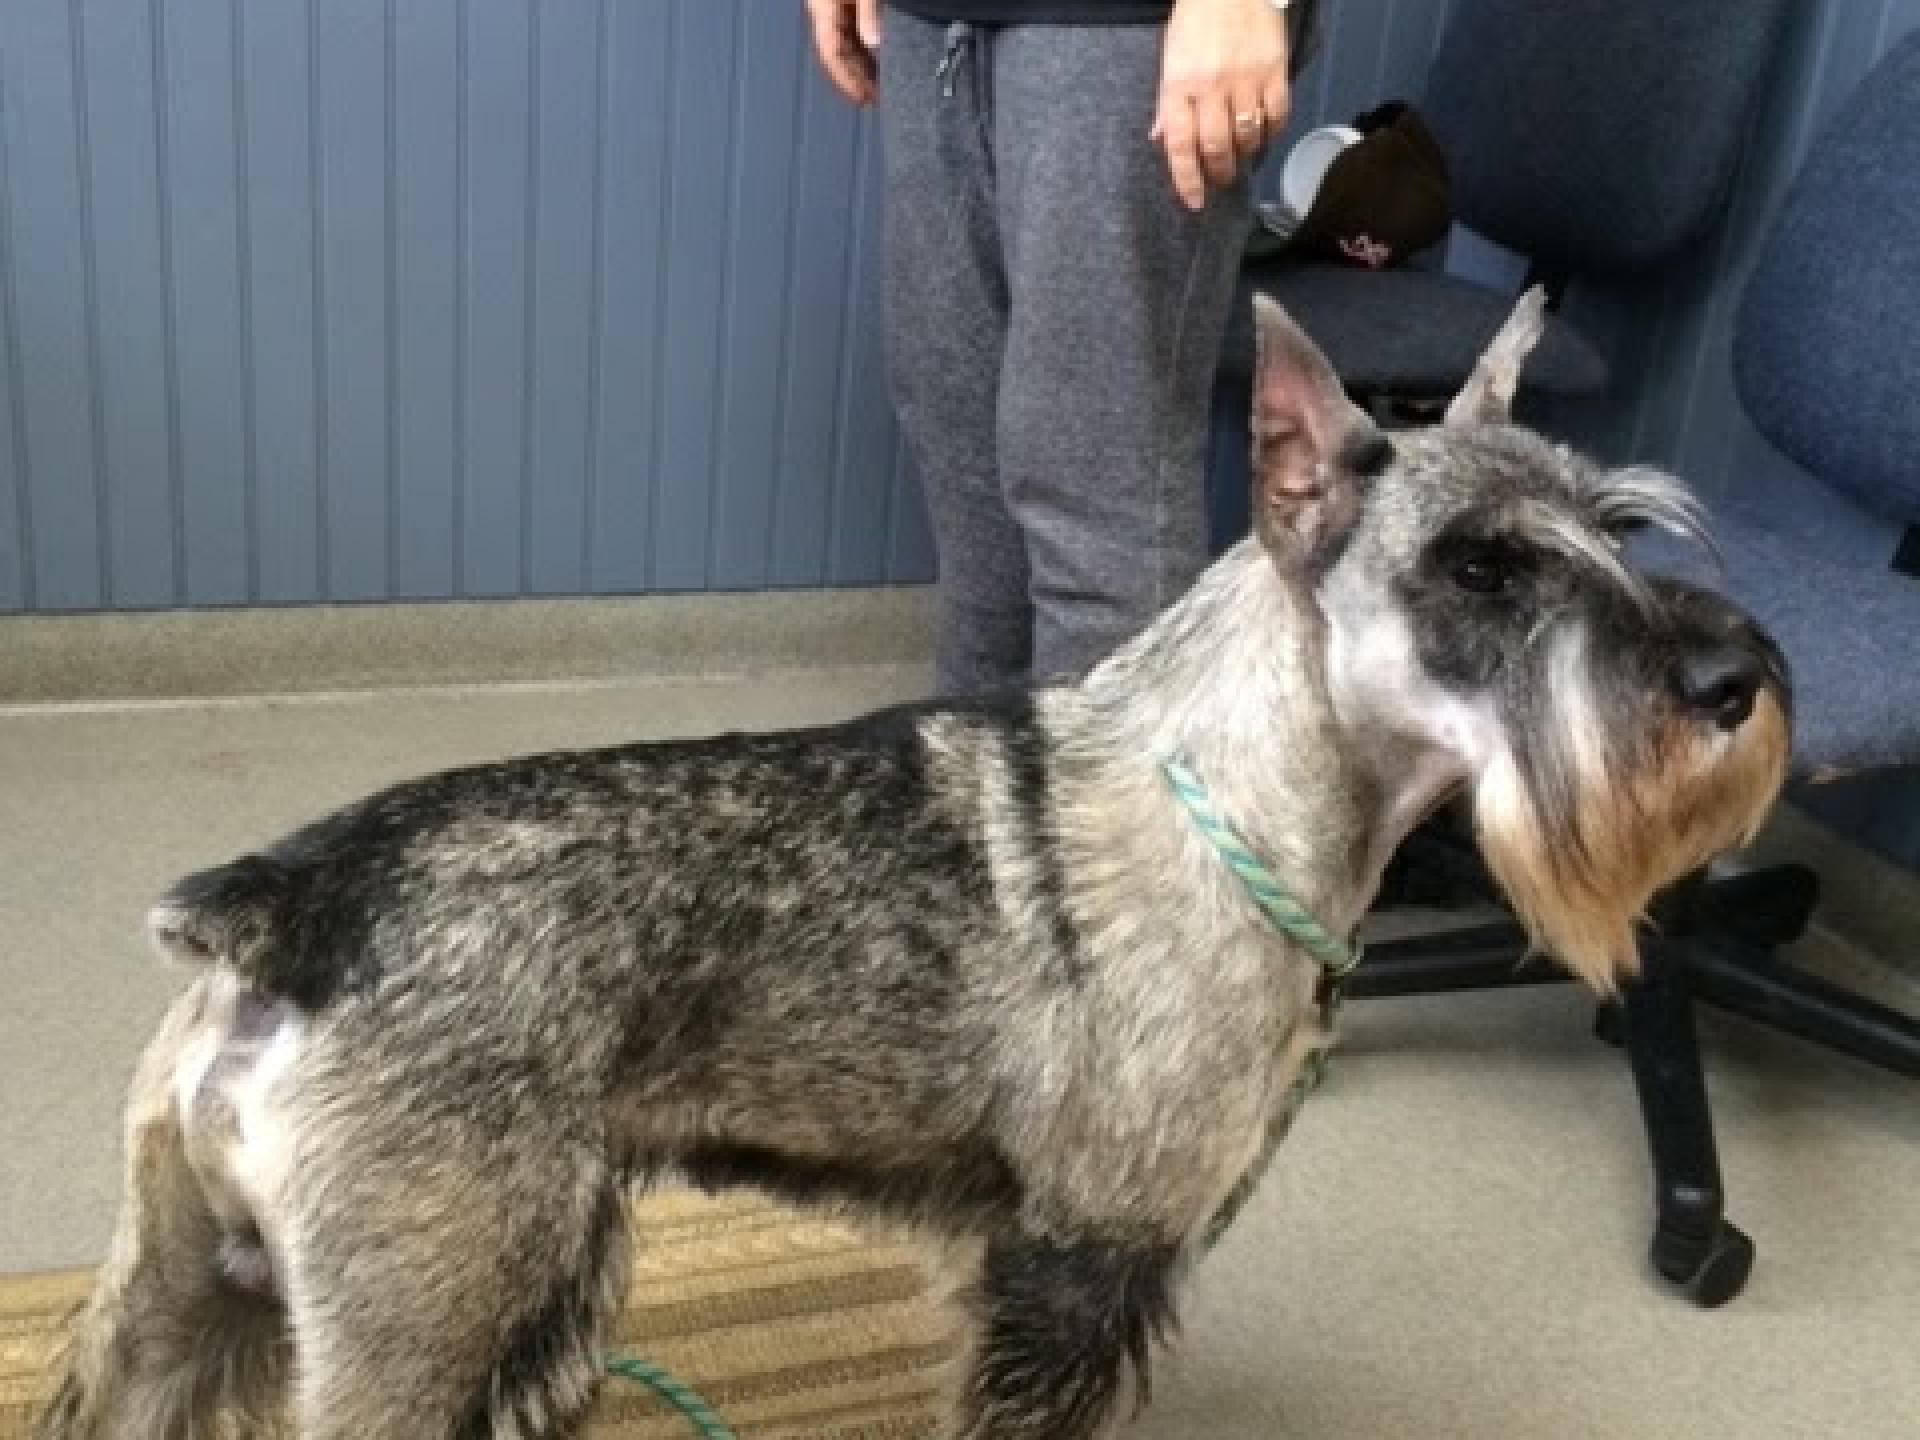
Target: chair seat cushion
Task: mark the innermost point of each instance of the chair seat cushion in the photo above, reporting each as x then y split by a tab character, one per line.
1406	331
1815	570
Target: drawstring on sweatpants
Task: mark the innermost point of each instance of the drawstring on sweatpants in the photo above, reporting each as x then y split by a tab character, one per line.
959	39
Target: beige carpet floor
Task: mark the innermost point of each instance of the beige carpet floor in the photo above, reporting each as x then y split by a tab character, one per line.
1452	1244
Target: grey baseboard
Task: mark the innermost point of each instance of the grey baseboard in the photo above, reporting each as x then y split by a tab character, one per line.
213	654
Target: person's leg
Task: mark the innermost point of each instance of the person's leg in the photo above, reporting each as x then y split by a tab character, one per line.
946	309
1119	299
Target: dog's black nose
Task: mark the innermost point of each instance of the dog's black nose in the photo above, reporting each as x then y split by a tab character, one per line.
1721	680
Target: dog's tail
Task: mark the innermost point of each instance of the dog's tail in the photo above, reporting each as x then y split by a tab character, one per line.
254	917
232	915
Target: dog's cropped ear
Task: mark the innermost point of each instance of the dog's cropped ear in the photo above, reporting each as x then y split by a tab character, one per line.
1487	397
1313	448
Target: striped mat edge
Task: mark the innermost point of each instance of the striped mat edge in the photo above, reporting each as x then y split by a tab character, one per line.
790	1326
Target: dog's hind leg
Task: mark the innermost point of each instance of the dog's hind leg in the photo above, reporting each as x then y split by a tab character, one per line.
168	1337
1061	1323
453	1296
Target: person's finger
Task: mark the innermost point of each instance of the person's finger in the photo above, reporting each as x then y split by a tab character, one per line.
846	62
868	26
823	17
1249	109
1276	102
1175	130
865	71
1213	126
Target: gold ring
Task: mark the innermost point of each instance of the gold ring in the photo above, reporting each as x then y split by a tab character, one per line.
1252	120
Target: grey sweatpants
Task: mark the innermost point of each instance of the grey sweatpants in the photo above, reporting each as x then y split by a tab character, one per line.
1054	316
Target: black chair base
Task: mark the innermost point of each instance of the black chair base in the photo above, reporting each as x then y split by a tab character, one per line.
1713	939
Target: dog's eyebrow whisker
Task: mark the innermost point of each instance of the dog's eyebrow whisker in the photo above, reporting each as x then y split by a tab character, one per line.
1570	536
1640	494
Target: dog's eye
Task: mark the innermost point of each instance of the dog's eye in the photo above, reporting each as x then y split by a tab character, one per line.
1483	572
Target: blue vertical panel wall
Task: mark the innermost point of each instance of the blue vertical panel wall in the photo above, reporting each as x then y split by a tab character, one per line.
567	72
423	458
774	61
312	300
309	300
704	60
284	282
200	201
16	523
826	157
49	346
353	95
628	358
129	305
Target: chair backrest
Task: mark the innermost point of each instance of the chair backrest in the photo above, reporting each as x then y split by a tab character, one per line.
1826	342
1597	136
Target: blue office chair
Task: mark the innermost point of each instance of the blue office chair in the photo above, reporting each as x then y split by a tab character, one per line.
1826	363
1826	359
1594	137
1597	138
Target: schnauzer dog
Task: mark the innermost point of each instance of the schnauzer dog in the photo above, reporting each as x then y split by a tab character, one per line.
1041	977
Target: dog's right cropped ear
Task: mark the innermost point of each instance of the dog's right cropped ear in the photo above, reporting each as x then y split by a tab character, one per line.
1487	397
1312	447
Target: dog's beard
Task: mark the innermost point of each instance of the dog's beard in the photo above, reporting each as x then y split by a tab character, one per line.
1581	837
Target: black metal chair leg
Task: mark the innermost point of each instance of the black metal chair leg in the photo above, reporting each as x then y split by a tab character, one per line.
1475	957
1694	1246
1761	986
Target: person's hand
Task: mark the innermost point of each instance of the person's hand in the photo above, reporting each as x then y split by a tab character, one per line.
846	35
1223	90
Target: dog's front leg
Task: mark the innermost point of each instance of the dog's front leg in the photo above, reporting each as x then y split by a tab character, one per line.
1061	1321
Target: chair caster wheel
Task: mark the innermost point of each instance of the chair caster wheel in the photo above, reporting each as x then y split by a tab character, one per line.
1610	1025
1709	1269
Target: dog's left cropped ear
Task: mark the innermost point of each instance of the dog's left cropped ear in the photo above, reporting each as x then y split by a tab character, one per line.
1487	397
1313	448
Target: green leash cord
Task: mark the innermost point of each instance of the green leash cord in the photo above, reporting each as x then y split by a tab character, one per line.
1286	913
683	1398
1290	918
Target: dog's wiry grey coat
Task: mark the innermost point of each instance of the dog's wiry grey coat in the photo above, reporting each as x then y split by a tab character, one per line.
967	967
